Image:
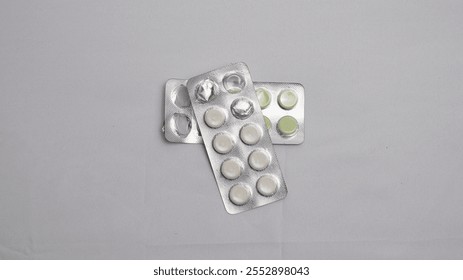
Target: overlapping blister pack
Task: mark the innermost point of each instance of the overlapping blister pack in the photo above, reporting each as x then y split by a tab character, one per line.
238	121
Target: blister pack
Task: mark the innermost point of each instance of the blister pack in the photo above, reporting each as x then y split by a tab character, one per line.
180	125
235	135
282	105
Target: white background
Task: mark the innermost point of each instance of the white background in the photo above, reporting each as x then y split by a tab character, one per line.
85	172
318	269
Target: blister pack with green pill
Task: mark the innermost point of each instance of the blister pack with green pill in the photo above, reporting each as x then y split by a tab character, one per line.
238	121
282	105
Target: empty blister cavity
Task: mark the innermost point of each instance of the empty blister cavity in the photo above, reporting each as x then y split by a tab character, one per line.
231	168
267	185
287	126
214	117
242	108
180	97
223	143
264	97
206	91
234	83
250	134
259	160
181	124
287	99
239	194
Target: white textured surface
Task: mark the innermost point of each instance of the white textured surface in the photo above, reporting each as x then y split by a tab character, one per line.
86	173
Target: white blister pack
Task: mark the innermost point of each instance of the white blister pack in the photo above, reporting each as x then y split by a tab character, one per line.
282	105
234	133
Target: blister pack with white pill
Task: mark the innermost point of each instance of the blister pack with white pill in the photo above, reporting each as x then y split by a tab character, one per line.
235	135
282	105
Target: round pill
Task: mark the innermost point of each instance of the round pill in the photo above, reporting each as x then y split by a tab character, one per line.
268	124
267	185
239	194
231	168
242	108
287	126
233	83
206	90
223	143
259	160
214	117
264	97
287	99
250	134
